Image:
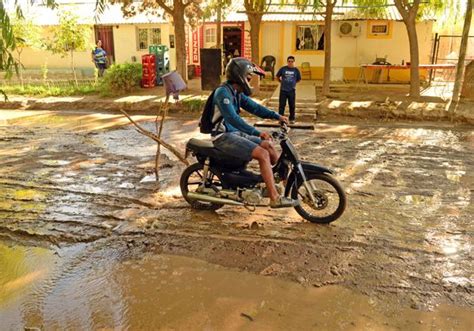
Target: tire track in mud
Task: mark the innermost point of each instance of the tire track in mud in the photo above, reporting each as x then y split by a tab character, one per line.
379	246
410	164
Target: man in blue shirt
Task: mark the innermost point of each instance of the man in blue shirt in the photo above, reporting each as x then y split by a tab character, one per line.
288	75
234	137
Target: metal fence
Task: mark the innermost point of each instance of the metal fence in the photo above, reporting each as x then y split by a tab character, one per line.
446	51
61	83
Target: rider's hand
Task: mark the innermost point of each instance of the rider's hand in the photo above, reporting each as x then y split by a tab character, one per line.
265	136
283	119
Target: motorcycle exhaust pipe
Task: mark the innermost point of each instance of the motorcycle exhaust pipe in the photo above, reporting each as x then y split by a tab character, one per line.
208	198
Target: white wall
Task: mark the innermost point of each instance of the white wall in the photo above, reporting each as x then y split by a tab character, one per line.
35	58
125	42
351	52
270	44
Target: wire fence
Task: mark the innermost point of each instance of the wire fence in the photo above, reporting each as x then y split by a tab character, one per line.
60	83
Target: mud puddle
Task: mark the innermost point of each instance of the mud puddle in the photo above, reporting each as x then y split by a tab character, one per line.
406	235
113	288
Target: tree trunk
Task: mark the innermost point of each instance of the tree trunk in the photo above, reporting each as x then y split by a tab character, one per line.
462	51
414	57
409	13
20	67
219	25
255	20
180	34
327	47
73	68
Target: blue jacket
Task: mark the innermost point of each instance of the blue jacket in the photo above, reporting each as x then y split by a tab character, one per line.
227	102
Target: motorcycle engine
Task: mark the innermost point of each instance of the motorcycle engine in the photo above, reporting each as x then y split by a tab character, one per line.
252	197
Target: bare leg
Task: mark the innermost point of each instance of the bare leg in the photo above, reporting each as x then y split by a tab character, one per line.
271	150
263	157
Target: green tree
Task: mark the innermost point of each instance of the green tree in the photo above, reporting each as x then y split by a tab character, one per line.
462	51
255	9
69	37
181	12
328	7
7	44
8	40
27	35
218	8
410	11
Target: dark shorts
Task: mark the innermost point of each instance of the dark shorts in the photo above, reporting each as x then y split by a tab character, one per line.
237	144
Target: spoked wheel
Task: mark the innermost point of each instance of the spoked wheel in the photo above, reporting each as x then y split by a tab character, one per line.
191	181
329	195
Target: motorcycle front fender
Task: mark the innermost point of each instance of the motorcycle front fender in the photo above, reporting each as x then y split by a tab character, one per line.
309	169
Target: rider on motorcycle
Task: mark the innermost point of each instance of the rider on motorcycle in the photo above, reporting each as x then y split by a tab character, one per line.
234	137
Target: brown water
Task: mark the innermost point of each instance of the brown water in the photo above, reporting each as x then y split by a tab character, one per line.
405	238
109	291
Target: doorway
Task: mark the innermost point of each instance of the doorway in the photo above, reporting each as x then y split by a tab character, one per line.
232	36
106	35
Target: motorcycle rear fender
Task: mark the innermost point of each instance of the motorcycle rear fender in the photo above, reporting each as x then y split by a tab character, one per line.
309	169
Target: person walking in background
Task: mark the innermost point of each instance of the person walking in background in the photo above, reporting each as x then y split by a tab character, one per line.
288	75
99	57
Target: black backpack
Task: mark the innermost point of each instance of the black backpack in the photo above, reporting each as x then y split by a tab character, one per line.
206	125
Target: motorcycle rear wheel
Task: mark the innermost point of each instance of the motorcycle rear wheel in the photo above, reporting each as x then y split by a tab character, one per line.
190	180
327	190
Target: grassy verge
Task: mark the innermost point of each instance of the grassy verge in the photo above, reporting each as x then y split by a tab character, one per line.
194	104
48	91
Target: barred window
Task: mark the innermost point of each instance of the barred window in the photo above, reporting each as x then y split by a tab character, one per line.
380	29
142	39
147	37
210	36
155	36
310	37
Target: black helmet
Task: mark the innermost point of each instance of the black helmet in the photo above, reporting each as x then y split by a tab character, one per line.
239	71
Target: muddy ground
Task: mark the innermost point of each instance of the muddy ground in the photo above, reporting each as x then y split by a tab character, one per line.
80	186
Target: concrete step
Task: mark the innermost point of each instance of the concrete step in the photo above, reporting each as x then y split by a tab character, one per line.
304	111
298	102
298	105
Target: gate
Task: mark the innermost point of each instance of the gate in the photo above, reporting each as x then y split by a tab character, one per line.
446	51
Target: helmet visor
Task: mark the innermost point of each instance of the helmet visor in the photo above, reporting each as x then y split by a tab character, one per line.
256	70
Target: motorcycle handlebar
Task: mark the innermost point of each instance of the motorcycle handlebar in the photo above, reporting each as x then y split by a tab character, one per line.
281	134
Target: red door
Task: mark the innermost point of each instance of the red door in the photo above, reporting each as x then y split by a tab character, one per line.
106	35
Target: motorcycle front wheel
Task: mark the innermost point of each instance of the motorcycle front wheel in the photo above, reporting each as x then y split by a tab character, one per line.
329	195
192	179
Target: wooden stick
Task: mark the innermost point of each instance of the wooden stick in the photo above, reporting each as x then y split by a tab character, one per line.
156	138
163	111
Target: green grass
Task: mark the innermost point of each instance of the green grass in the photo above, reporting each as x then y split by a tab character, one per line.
194	104
48	91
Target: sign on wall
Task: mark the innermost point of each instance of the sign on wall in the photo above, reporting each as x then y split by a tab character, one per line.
188	53
247	45
195	47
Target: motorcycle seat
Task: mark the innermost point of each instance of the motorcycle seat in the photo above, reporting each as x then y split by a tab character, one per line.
201	143
205	147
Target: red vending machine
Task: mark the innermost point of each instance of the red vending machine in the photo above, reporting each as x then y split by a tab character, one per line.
149	70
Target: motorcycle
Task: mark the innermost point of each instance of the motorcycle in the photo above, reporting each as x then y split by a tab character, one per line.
216	180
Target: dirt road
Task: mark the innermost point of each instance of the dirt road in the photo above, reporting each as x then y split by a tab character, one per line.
81	186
